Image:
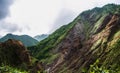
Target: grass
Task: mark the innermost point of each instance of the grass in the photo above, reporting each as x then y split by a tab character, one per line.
97	24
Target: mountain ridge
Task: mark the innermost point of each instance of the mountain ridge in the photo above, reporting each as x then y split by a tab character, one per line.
85	43
25	39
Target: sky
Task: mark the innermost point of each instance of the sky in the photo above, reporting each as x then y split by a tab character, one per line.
35	17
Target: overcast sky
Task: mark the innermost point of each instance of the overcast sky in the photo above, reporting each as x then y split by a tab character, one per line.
35	17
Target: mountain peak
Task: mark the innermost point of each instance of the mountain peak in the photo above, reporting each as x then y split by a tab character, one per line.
9	34
109	5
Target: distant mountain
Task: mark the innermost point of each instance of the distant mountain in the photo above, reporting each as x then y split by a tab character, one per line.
41	37
25	39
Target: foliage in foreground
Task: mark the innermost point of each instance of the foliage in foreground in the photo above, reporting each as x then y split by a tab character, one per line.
8	69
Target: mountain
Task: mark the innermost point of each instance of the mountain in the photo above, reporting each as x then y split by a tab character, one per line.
25	39
41	37
89	44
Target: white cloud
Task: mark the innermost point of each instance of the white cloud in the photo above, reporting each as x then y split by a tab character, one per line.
39	16
79	6
64	17
6	27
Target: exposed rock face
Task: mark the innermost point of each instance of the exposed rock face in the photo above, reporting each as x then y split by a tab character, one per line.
72	43
77	53
13	52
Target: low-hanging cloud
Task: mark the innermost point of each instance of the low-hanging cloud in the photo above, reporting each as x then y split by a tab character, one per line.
4	8
9	27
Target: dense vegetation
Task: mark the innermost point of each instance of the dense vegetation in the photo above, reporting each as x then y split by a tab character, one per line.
8	56
8	69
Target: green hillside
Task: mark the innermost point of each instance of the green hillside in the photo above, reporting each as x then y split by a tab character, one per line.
25	39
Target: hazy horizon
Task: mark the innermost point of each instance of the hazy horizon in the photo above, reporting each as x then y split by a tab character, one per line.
35	17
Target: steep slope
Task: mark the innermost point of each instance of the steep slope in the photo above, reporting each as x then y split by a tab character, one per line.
41	37
45	49
89	44
25	39
79	54
93	45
